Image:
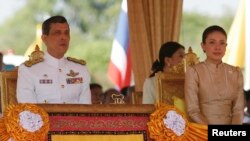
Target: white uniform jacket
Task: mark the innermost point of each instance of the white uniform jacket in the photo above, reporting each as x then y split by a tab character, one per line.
54	81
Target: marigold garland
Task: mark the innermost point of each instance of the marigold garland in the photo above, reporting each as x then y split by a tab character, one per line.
12	128
160	132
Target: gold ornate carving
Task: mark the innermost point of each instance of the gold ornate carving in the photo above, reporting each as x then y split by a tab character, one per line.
35	57
178	69
118	98
169	84
8	83
191	58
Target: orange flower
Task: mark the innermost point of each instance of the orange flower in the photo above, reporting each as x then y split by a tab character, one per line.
168	123
15	125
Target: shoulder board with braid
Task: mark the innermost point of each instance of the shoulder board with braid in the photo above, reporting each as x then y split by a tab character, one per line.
30	63
79	61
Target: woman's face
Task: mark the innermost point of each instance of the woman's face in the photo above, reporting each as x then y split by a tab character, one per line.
215	46
176	58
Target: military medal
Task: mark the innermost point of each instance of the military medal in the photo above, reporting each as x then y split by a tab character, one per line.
45	81
72	73
76	80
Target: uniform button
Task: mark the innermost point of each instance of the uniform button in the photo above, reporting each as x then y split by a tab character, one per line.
62	86
60	70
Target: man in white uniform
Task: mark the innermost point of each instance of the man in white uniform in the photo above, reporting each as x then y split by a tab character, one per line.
53	78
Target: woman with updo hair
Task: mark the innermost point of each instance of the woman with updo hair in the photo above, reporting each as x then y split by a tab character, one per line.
170	54
214	89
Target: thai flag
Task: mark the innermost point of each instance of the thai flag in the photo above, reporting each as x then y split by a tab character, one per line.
119	70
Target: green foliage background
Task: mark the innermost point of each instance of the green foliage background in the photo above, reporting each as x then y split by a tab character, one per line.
93	24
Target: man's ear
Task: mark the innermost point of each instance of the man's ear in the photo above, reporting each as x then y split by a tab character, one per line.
43	37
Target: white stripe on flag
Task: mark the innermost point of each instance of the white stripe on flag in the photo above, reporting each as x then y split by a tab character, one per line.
124	6
119	57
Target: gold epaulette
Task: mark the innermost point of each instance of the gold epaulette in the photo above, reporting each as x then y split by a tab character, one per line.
35	57
30	63
79	61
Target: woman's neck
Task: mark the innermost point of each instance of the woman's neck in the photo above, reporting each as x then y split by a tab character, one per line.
216	62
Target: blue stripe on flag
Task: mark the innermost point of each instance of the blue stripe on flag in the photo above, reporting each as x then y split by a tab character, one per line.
122	32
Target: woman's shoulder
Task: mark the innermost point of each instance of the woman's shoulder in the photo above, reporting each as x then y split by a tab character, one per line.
232	68
150	79
196	66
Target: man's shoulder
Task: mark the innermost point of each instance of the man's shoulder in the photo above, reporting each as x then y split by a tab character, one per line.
77	61
32	66
32	62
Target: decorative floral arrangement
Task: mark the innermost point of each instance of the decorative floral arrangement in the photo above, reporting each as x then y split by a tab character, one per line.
167	123
24	122
175	122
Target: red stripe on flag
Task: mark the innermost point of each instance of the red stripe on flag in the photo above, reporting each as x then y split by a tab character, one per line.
115	74
127	79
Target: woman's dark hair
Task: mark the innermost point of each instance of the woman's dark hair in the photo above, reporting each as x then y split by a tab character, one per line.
167	50
211	29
